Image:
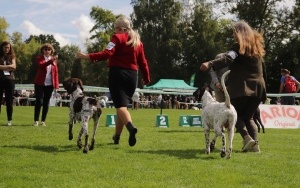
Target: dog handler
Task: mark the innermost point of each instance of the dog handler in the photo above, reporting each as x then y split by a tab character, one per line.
125	54
246	85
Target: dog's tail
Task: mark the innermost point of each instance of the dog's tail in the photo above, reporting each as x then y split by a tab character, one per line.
227	98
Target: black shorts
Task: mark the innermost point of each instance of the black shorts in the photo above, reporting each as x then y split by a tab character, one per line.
122	84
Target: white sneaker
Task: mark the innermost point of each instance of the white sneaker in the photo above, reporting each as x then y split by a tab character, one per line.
43	124
35	123
9	123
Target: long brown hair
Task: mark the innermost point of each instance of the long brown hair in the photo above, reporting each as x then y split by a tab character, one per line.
10	55
251	42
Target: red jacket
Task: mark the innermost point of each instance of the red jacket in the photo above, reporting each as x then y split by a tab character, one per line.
42	71
121	55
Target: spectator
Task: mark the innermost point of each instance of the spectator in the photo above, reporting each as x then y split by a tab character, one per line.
135	100
46	80
288	84
7	78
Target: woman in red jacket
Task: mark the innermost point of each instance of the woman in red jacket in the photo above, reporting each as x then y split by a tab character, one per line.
45	82
125	54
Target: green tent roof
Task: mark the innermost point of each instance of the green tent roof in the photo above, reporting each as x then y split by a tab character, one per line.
171	85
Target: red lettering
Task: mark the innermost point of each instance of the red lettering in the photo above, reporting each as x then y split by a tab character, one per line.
292	112
275	111
264	115
283	111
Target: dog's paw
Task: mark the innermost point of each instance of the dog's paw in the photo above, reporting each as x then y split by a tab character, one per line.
79	144
223	154
70	136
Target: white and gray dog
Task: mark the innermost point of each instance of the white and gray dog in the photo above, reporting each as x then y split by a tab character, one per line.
82	109
217	116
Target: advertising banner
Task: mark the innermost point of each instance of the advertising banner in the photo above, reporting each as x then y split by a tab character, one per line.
280	116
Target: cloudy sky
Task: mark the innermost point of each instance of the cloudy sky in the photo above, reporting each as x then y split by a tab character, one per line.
67	20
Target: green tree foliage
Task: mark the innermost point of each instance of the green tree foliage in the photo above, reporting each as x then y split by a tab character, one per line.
157	22
67	62
3	26
277	25
24	52
96	73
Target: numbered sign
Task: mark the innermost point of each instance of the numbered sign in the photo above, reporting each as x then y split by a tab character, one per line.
184	121
162	121
111	120
196	120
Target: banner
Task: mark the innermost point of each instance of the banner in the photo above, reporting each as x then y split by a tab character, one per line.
280	116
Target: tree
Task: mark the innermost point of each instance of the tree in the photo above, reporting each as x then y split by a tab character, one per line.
277	26
67	62
24	53
3	26
157	22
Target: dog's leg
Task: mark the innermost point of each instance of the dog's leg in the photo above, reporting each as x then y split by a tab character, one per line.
206	132
96	123
219	132
79	143
261	124
223	150
213	143
85	118
257	123
230	140
71	123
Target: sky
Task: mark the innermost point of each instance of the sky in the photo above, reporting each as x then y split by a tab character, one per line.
67	20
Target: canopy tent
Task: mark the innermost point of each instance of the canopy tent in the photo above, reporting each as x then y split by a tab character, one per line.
171	85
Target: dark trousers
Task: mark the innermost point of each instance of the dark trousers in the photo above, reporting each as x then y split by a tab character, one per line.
8	86
245	108
42	97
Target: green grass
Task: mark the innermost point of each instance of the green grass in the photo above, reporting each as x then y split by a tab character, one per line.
163	157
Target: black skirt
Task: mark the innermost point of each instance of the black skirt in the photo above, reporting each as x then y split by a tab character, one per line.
122	84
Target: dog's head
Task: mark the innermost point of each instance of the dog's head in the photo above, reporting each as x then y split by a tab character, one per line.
71	84
200	92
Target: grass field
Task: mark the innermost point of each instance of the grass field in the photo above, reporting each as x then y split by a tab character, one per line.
163	157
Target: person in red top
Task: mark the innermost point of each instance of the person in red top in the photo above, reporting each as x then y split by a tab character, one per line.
46	80
125	54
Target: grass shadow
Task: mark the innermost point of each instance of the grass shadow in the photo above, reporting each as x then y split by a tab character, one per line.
47	149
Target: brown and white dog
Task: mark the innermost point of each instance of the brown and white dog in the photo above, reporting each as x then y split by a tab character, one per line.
82	109
217	116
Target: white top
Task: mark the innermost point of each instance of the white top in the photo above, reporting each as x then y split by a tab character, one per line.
48	79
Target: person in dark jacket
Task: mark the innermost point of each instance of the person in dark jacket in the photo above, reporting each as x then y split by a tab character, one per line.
246	85
46	80
7	77
125	54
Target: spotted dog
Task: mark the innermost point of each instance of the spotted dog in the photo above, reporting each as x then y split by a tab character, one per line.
82	109
217	116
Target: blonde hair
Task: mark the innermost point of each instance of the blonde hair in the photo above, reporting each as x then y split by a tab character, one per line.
123	23
251	42
47	45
